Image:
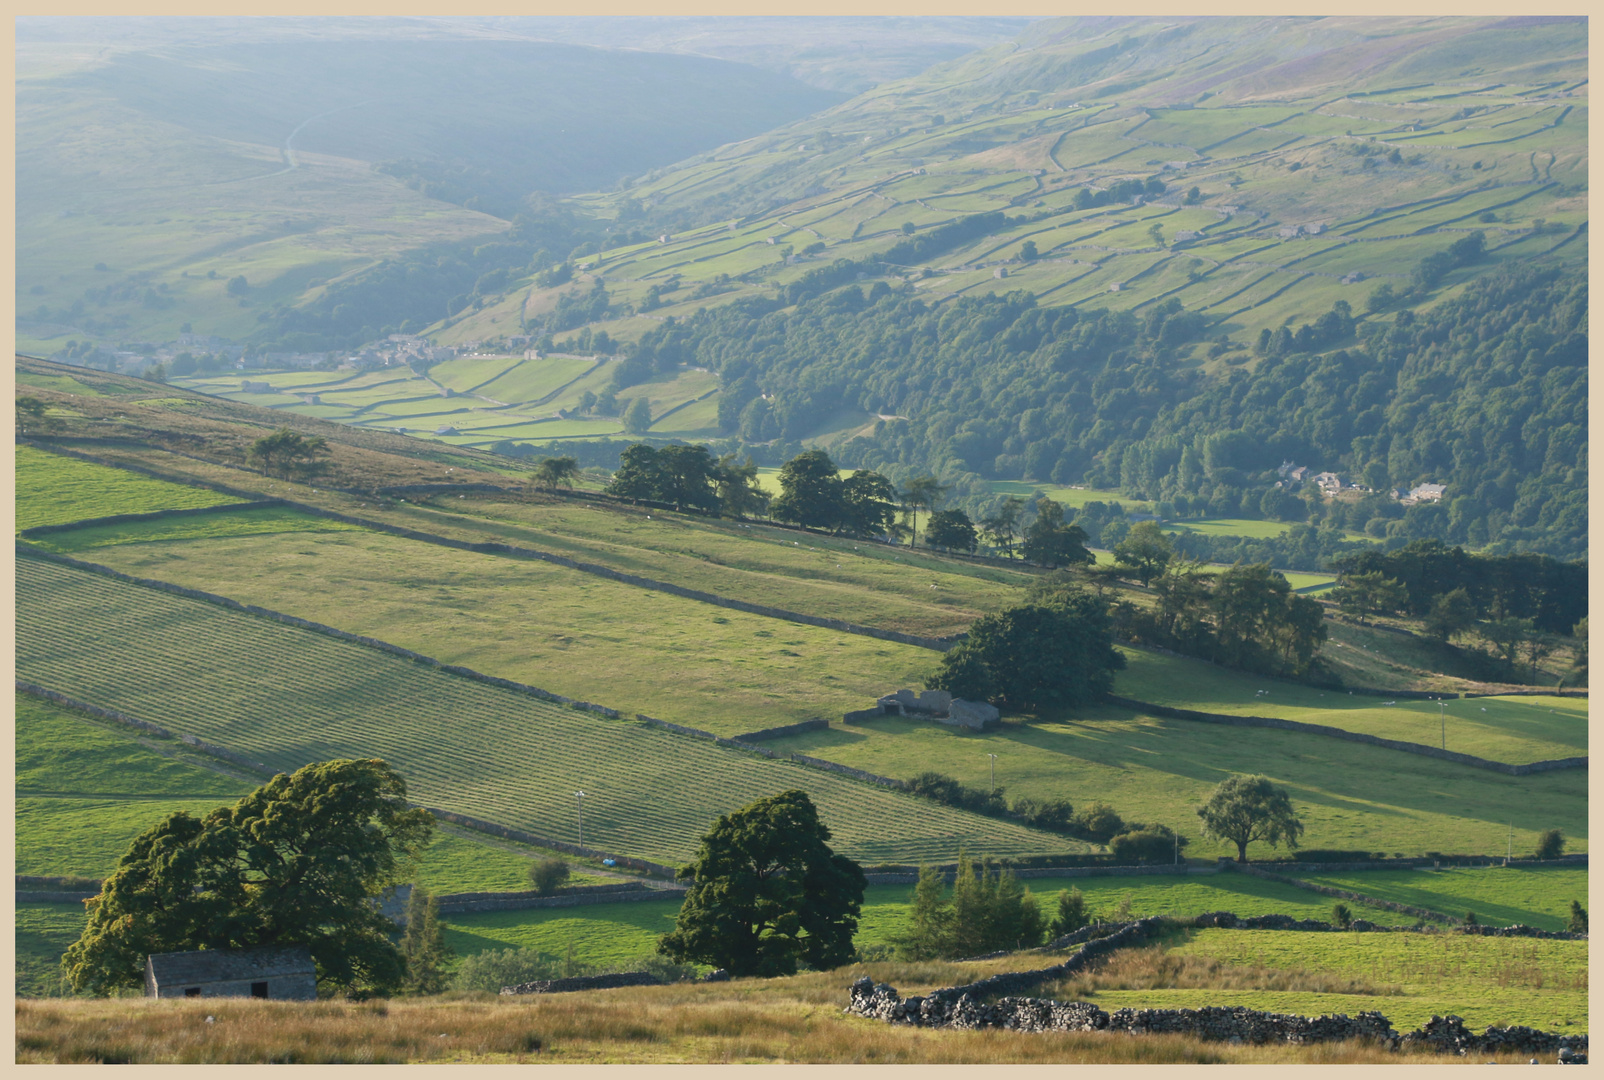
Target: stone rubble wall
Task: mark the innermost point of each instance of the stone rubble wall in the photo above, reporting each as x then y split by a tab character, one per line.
965	1007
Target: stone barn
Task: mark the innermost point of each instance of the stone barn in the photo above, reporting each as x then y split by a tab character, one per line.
281	974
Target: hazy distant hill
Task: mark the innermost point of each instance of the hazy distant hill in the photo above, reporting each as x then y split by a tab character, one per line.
539	116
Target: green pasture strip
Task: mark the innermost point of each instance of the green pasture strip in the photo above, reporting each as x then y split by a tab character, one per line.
65	384
284	697
1512	729
576	634
1538	896
600	934
252	522
1348	795
607	933
55	490
865	583
86	788
43	933
1482	980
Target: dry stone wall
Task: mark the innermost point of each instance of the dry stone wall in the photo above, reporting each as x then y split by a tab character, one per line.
996	1002
584	982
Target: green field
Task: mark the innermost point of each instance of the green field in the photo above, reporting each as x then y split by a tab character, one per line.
1538	896
1410	977
1348	795
462	745
253	522
1512	729
85	790
866	583
55	490
563	630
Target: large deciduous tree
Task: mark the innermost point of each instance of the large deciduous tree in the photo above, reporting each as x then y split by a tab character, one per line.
1050	542
768	893
1243	809
951	529
1035	656
810	491
1145	551
298	861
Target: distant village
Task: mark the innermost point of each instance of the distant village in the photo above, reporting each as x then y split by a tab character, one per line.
1294	477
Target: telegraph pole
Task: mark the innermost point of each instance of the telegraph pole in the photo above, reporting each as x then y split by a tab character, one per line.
581	797
993	771
1442	722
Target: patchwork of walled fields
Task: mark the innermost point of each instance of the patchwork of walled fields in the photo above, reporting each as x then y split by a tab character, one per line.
1538	896
1510	729
1349	795
572	633
1407	977
86	788
283	697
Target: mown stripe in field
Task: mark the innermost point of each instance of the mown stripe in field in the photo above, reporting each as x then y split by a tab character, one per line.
285	696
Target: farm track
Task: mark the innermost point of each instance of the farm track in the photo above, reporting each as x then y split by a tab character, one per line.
286	696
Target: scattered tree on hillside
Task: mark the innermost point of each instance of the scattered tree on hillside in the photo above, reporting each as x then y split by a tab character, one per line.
868	505
681	475
285	452
810	490
951	529
638	417
1550	845
1243	809
1050	542
735	483
921	493
1261	625
1146	550
1341	915
297	861
1370	593
1071	914
423	945
1452	613
555	472
1577	923
987	911
29	410
1505	636
1035	657
1098	823
1002	527
1147	844
548	875
768	892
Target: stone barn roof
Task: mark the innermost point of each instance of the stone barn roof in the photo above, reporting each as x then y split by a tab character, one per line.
230	965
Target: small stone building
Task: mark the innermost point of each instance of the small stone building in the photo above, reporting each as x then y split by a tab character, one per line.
284	973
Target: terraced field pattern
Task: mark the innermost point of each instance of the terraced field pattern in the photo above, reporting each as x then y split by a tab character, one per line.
283	697
474	400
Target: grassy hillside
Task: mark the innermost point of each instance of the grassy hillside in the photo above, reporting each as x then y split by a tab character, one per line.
180	168
323	698
1516	729
1153	770
1269	141
55	490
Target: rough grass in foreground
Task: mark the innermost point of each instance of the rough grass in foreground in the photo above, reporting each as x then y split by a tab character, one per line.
777	1020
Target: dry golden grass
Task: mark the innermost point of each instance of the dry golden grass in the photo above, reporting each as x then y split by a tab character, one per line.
776	1020
1154	968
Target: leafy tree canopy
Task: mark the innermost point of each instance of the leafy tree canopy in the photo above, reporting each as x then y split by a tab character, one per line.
1035	656
297	861
1243	809
768	893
